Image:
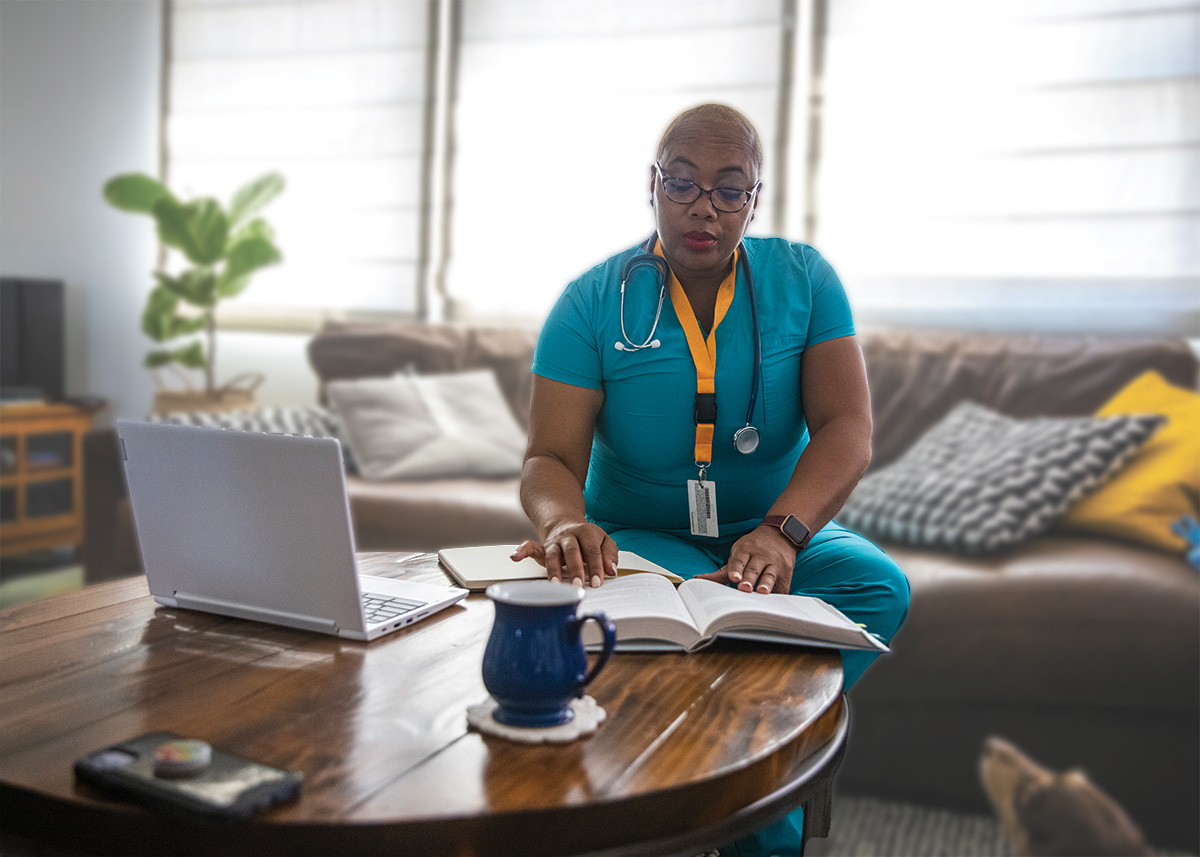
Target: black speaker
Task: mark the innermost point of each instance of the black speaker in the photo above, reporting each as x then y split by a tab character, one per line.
32	347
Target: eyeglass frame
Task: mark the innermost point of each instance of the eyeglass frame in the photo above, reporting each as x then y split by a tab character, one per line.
662	180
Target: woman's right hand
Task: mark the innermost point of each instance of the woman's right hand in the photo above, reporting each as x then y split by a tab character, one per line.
579	552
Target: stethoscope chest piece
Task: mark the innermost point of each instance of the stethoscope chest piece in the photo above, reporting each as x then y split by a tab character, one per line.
745	440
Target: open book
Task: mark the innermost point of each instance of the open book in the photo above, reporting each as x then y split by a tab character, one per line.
651	615
479	567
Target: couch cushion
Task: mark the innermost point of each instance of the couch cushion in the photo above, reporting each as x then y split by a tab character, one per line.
359	350
916	377
1160	484
1058	621
344	350
980	481
509	354
312	420
428	516
429	426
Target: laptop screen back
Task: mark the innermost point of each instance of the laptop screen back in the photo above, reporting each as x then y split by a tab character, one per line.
255	520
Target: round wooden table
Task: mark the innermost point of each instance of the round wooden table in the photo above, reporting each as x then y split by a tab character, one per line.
697	749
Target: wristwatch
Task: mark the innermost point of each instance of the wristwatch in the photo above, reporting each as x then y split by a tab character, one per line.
793	529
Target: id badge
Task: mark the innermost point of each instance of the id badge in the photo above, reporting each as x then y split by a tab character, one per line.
702	507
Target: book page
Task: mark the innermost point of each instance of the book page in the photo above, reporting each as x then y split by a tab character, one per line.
716	607
481	566
630	563
642	606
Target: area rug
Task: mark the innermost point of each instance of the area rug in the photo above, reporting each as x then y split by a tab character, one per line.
866	827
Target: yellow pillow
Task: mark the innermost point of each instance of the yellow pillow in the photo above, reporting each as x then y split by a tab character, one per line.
1161	483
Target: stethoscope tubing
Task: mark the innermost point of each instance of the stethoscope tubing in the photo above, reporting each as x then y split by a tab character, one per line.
647	258
660	266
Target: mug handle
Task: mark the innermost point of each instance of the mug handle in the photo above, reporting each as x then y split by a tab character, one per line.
610	641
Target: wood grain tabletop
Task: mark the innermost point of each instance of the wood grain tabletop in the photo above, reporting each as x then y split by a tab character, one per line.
696	746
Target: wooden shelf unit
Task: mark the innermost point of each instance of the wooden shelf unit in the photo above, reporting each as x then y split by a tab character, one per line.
41	476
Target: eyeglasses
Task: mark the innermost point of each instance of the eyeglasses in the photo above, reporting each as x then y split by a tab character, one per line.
730	200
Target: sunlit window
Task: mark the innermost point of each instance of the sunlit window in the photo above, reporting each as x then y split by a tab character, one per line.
331	93
559	112
995	164
1014	165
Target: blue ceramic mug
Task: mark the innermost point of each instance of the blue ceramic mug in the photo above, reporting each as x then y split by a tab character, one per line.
535	663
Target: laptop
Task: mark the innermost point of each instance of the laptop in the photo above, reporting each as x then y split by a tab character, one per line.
257	526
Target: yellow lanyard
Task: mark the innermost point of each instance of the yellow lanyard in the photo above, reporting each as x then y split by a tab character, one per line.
704	355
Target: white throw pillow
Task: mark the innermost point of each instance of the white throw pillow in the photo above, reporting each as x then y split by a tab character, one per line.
429	426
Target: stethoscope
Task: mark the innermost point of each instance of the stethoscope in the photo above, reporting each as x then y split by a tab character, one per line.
745	439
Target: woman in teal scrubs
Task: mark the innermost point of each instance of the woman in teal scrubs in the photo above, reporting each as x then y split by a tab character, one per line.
626	451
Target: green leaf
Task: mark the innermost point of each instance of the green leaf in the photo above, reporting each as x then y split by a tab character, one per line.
191	356
244	258
228	288
198	228
159	314
161	320
256	228
158	359
135	192
197	286
254	196
185	326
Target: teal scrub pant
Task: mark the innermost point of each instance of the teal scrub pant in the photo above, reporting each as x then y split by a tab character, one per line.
839	567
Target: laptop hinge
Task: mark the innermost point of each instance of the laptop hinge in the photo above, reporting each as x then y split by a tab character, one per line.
256	614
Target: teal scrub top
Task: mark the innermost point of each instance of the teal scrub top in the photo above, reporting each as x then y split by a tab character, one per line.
643	448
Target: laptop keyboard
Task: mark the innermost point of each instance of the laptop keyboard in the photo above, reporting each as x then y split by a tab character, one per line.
384	608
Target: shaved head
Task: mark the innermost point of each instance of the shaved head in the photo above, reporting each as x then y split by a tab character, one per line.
716	123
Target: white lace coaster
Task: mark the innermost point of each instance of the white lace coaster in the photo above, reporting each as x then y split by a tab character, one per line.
588	716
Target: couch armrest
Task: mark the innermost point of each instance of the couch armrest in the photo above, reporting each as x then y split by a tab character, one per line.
104	492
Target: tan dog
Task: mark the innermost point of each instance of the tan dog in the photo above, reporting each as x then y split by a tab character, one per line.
1050	814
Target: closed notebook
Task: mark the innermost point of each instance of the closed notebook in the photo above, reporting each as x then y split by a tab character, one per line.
479	567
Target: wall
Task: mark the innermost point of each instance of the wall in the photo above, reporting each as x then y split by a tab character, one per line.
79	103
79	93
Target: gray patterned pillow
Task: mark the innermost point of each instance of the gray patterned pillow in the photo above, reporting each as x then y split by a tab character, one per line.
980	481
312	420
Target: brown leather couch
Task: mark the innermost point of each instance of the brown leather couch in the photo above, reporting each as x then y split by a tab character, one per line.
1082	651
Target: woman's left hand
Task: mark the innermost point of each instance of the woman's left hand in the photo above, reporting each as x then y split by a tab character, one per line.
760	561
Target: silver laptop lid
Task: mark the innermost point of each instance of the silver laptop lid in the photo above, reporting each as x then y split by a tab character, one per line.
244	523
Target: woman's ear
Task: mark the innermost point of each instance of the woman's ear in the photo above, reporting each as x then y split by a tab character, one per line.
754	204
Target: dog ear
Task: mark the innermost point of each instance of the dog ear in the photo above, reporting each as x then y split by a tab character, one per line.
1072	818
1024	792
1052	824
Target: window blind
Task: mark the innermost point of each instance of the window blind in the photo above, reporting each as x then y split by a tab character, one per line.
1014	164
331	93
558	111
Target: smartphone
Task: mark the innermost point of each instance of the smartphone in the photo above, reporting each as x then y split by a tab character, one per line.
228	787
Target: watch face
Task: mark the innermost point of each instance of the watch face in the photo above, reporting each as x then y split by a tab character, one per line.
795	530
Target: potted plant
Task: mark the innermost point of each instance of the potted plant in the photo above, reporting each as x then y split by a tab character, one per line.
225	247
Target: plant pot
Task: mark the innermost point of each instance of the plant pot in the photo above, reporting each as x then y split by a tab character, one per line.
236	395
